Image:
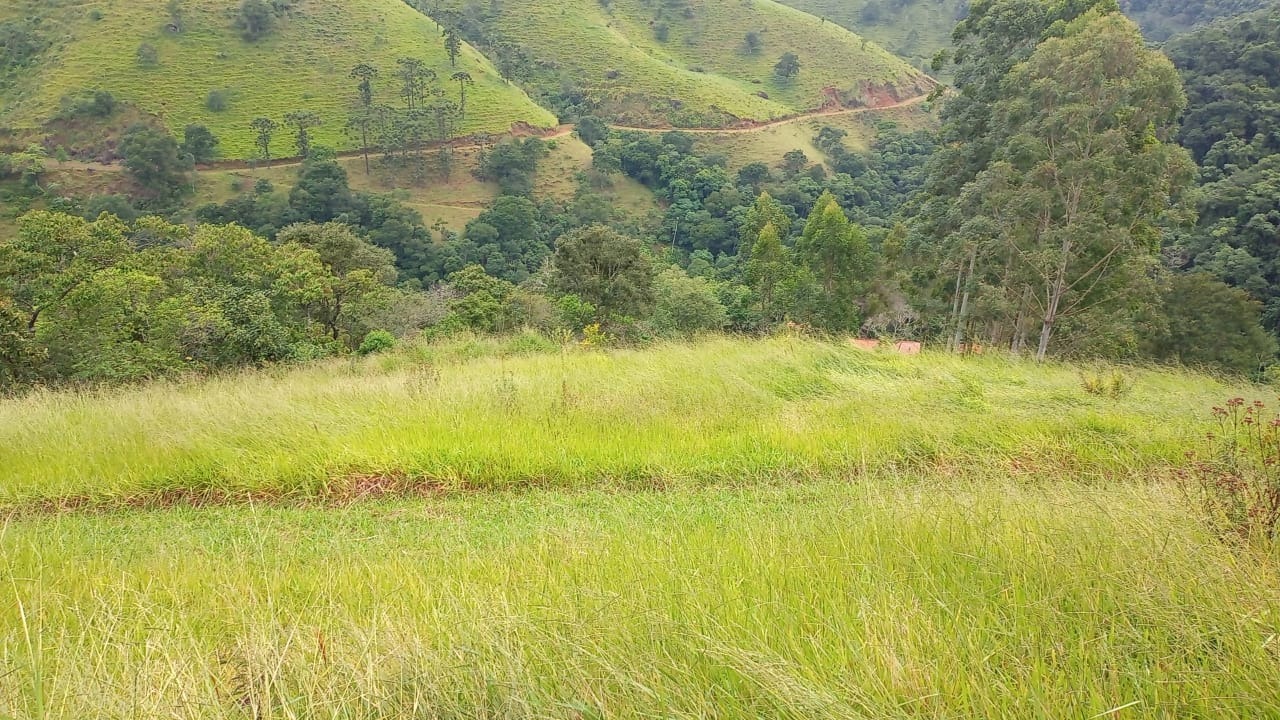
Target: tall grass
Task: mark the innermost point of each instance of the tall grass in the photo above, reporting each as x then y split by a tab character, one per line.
992	599
480	414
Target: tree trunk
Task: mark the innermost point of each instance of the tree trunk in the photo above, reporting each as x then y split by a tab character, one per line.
963	312
1056	290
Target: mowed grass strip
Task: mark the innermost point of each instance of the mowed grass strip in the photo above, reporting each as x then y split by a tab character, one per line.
919	599
476	413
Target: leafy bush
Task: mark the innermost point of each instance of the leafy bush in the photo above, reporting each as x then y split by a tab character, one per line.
255	20
217	100
376	341
91	104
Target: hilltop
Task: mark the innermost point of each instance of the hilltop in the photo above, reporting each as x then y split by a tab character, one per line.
189	62
696	63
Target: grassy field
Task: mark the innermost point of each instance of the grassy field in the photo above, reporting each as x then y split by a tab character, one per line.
701	75
780	528
522	413
911	599
303	64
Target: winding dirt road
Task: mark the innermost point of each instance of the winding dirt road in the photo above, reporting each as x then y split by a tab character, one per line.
549	134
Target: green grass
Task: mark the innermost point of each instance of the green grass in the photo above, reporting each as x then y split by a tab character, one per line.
915	32
727	528
303	64
722	410
911	599
701	75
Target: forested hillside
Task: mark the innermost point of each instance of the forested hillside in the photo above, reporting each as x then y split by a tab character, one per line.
1161	19
1232	126
76	75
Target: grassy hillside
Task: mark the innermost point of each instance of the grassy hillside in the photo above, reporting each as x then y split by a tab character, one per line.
723	529
301	64
702	73
453	201
912	29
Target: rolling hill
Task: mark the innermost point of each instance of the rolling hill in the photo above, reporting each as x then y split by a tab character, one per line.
163	62
912	29
689	63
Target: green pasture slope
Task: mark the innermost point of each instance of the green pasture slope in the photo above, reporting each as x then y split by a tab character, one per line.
726	528
301	65
702	74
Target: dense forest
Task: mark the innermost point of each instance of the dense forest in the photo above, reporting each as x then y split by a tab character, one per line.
1086	195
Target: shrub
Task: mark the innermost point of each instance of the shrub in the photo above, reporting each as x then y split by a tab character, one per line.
376	341
148	56
254	20
217	100
1234	479
96	104
1113	384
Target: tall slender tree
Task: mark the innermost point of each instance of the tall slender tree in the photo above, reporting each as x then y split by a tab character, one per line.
464	80
263	128
837	253
302	121
452	45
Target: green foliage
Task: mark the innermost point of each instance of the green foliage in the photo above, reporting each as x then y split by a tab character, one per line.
512	164
840	260
217	101
377	341
255	20
87	104
1210	324
686	305
21	42
104	301
1230	69
154	159
788	66
199	143
606	269
302	121
1032	130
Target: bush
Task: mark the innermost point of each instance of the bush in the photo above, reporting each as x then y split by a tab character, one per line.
376	341
217	100
254	20
148	56
95	104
